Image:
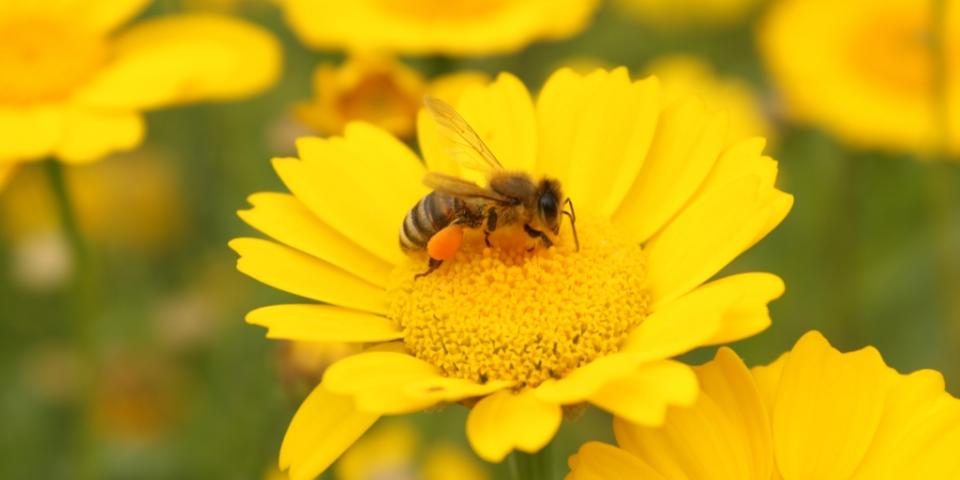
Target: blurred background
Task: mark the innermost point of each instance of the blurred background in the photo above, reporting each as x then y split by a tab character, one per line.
163	379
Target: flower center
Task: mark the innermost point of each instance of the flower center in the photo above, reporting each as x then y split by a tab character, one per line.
444	9
512	313
381	99
44	60
894	50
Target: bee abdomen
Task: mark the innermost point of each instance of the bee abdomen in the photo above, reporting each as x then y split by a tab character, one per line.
430	215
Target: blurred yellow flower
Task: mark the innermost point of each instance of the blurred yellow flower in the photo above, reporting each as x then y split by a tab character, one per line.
375	89
687	75
150	219
814	413
687	13
864	69
518	333
452	27
393	450
74	88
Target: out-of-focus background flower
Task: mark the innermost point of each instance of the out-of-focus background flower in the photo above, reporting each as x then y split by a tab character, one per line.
126	356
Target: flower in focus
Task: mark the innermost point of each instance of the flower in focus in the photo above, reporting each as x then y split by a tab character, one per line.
686	13
518	333
452	27
375	89
864	70
74	86
814	413
688	75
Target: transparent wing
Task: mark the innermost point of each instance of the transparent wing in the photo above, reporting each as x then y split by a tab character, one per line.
469	150
459	187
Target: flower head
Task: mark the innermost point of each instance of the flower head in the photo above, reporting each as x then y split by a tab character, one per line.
814	413
516	330
74	88
454	27
376	89
864	70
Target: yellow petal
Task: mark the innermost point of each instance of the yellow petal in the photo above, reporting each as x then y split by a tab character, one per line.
323	323
767	379
502	114
362	185
506	420
29	133
599	461
740	301
298	273
613	130
92	16
90	135
642	396
684	149
446	389
828	408
724	435
739	160
710	233
284	218
919	434
579	384
324	426
675	328
556	120
185	58
378	381
104	16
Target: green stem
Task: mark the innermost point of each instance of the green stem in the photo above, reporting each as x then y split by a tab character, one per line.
942	182
79	316
535	466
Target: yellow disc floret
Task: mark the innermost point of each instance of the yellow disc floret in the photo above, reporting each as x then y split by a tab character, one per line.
520	312
45	60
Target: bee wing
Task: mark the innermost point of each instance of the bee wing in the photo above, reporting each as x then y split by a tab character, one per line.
459	187
470	151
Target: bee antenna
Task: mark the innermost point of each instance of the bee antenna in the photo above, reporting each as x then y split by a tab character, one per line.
573	221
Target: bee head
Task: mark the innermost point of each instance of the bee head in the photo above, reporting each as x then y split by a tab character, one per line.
549	198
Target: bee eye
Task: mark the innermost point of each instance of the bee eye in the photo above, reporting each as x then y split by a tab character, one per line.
548	206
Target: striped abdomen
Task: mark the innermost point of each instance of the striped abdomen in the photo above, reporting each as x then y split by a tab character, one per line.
431	214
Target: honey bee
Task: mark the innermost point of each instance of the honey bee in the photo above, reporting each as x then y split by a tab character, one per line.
436	222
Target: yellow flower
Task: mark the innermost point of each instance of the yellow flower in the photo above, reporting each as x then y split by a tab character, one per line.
864	70
686	13
151	217
393	450
74	88
453	27
815	413
688	75
518	333
375	89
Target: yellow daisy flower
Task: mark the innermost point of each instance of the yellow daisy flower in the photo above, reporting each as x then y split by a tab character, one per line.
864	70
80	85
375	89
683	75
453	27
814	413
517	333
686	13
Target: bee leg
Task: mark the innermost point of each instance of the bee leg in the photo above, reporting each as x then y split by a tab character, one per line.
573	222
491	226
534	233
433	265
